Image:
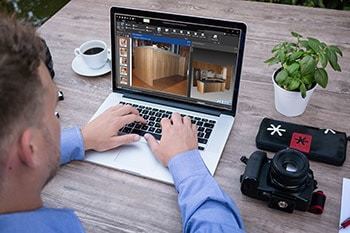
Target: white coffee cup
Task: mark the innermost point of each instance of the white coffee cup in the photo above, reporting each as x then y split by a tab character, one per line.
93	52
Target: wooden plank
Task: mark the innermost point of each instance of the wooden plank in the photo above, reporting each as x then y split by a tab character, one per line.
107	200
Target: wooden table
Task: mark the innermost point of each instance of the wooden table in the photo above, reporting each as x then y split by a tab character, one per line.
107	200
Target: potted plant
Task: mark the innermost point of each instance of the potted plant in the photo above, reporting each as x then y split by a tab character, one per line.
302	68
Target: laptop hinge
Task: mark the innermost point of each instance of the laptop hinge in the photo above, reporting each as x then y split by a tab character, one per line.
172	103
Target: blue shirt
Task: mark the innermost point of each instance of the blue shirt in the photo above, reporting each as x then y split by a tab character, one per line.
204	206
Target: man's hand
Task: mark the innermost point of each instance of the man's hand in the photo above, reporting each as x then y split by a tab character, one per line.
178	135
101	133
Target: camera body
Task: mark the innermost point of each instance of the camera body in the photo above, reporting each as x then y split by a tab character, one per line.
285	181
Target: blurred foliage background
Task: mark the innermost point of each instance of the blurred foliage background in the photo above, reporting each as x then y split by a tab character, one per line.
330	4
38	11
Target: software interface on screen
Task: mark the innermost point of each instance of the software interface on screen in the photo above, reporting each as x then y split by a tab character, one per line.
193	61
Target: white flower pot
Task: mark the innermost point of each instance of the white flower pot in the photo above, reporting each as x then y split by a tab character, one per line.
290	103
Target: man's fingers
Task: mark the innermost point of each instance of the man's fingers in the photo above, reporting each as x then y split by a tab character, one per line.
187	121
126	109
176	118
127	119
152	142
165	123
124	139
194	128
114	108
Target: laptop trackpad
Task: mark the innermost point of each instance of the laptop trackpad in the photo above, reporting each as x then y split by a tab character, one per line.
138	158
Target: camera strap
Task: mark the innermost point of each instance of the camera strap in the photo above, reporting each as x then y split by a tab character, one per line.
318	201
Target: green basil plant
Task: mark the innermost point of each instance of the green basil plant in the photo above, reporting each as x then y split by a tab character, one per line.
303	64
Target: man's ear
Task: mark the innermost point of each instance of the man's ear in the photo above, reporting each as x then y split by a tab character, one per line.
27	148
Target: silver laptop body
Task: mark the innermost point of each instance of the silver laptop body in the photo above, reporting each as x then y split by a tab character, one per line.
164	63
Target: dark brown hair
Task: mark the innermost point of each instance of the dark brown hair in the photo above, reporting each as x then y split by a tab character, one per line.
21	89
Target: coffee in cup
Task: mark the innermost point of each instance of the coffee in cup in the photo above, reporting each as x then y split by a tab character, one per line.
93	52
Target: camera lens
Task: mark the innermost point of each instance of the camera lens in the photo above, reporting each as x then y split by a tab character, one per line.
289	170
290	167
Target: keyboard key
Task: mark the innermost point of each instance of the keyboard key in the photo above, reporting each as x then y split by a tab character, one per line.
211	121
203	141
126	130
138	126
139	132
193	121
199	123
200	129
161	111
152	113
141	106
152	118
168	112
145	117
158	114
155	109
200	148
157	125
145	112
208	130
197	118
158	119
205	120
144	127
135	105
200	134
151	123
159	131
207	133
151	129
121	102
208	125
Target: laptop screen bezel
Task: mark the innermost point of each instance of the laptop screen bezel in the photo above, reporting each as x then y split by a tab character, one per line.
182	18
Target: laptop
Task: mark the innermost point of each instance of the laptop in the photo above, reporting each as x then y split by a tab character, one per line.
164	63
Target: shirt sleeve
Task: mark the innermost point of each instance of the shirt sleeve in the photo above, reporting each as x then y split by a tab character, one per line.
204	206
72	145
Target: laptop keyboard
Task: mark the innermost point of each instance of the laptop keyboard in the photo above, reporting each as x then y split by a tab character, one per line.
154	116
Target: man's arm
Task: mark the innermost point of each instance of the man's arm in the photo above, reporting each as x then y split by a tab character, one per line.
204	206
72	145
101	134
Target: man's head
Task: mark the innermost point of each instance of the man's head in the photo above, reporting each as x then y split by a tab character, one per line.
29	130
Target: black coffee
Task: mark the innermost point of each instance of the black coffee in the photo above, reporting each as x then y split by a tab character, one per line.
93	51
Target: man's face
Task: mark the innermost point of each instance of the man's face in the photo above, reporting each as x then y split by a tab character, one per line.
49	128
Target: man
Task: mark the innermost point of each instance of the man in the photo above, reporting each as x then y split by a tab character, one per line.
30	151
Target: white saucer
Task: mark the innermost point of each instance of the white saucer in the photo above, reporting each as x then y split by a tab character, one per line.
79	67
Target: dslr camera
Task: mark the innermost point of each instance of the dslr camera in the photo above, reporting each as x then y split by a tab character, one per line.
286	182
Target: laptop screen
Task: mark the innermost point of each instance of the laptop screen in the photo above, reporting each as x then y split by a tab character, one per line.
177	58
